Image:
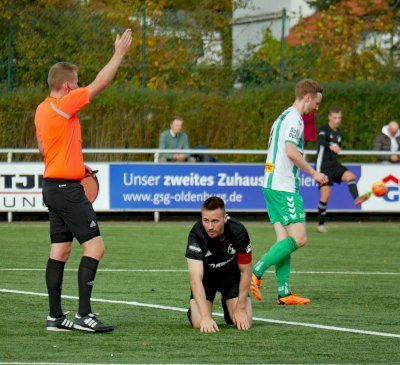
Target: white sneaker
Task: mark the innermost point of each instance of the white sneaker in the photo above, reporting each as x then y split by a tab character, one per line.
321	229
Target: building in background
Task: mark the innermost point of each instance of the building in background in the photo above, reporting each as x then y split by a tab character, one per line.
250	22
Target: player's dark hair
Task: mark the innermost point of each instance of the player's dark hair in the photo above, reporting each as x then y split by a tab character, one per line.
307	86
335	109
60	73
213	203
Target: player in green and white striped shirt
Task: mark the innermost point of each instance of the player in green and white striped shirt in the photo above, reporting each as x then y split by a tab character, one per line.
281	190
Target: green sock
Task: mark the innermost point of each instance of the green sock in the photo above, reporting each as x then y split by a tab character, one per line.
275	254
282	269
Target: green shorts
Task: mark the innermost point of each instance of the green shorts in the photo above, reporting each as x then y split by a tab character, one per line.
284	207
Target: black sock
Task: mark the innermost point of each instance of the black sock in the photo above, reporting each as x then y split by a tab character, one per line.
321	213
54	279
352	185
86	274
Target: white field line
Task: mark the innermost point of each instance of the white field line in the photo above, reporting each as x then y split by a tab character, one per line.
184	270
93	363
156	306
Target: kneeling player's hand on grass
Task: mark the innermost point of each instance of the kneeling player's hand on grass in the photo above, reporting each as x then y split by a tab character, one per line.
240	319
208	325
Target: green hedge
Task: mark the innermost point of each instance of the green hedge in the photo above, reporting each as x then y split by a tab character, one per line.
127	117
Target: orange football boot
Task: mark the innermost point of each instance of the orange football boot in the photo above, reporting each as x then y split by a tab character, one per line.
255	287
293	299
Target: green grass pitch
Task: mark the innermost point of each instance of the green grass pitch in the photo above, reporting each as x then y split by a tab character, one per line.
351	274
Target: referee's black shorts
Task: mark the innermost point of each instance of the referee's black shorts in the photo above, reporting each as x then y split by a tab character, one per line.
334	171
70	212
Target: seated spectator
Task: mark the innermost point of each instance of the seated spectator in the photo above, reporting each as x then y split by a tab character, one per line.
388	140
175	139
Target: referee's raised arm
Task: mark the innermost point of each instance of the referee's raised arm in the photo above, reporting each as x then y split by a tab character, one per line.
107	74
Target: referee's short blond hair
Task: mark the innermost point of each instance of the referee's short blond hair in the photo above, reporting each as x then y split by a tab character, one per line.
60	73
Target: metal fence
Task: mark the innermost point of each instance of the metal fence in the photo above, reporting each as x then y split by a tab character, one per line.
155	152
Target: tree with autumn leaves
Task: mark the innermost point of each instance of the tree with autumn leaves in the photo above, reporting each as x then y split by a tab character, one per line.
167	49
342	40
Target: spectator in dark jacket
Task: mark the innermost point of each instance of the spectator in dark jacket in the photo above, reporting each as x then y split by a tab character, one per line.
388	140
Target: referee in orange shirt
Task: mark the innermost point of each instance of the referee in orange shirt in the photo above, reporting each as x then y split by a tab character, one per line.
71	215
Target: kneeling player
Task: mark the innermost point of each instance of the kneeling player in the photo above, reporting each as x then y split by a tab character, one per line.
219	260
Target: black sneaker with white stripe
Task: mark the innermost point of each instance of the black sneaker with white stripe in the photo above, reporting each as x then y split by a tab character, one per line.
91	323
59	324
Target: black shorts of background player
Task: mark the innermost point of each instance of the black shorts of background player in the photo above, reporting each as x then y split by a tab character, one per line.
219	256
329	147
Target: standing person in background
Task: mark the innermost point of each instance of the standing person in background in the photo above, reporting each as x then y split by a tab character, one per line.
281	191
175	139
388	140
71	215
310	130
329	147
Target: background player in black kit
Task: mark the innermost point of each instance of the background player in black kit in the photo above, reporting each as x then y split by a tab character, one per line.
219	260
329	146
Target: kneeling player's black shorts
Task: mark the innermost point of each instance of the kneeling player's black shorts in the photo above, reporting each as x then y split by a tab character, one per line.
334	172
70	212
229	288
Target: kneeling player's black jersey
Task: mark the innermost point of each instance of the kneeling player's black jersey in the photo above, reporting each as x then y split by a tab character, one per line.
220	258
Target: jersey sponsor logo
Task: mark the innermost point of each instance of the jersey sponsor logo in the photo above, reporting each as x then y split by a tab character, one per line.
220	264
294	133
231	250
194	248
269	167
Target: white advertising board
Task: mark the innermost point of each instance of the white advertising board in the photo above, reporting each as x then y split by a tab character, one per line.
21	187
388	173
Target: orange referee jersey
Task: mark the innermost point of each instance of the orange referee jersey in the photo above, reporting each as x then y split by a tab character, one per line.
59	132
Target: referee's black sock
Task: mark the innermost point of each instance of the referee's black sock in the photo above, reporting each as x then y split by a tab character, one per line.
86	274
352	185
321	213
54	279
